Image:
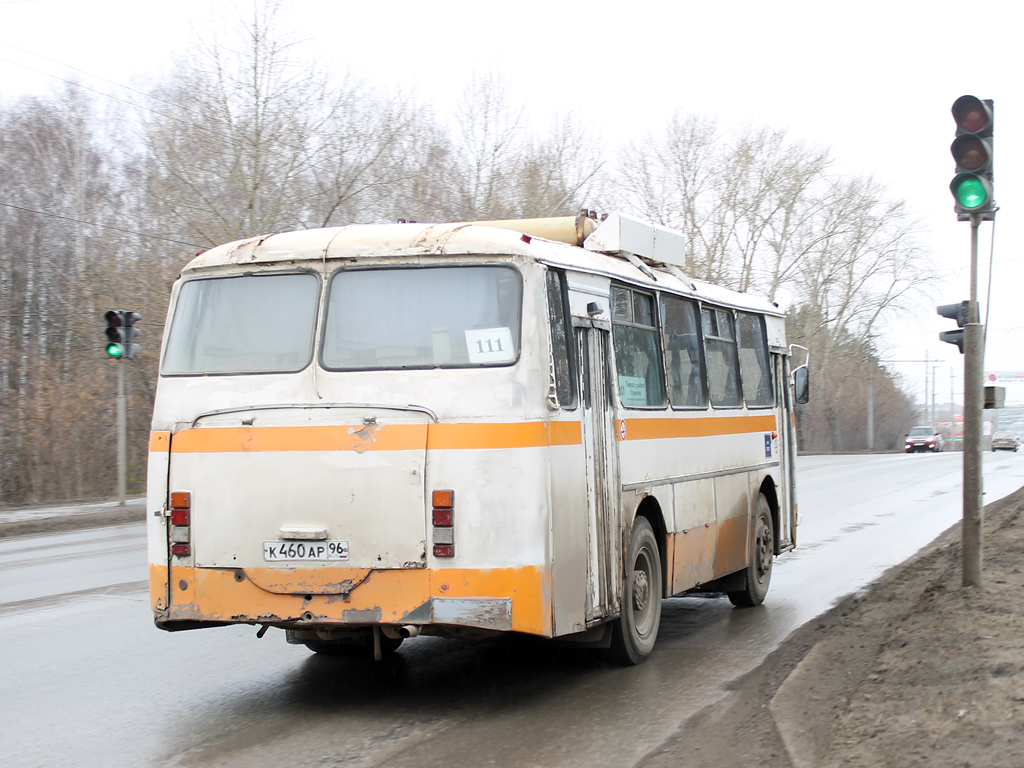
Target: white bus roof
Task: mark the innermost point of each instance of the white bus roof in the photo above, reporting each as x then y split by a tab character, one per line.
607	251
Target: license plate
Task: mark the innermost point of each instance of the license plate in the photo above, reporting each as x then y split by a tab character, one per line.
274	551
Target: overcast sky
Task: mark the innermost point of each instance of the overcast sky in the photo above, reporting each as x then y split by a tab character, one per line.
874	81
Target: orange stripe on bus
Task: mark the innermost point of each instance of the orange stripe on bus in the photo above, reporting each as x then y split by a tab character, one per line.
396	437
521	435
400	437
655	429
159	442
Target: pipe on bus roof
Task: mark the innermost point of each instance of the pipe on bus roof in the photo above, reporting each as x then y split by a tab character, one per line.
563	229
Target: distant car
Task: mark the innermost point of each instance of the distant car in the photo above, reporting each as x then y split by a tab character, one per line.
1004	441
923	438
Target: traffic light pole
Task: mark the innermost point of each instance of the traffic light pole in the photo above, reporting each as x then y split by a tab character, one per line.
974	354
122	434
120	346
974	201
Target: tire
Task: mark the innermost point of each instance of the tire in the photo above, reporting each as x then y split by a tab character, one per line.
758	574
635	632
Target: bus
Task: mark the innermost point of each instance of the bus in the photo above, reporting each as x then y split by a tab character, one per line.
372	432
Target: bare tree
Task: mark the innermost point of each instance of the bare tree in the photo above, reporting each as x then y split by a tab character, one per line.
503	169
58	190
487	141
672	180
258	141
741	199
763	214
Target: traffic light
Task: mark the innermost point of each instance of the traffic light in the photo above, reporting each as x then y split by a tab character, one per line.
972	151
120	332
129	319
959	312
115	334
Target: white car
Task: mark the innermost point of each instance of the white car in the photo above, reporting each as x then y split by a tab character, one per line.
923	438
1004	441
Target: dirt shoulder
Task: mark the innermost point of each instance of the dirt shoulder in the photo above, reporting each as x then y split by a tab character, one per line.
920	670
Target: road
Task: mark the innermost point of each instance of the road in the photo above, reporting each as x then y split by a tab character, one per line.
88	681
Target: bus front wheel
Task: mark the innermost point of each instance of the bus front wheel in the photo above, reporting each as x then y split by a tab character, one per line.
636	630
762	551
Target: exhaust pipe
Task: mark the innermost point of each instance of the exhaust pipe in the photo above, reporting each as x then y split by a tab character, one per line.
399	632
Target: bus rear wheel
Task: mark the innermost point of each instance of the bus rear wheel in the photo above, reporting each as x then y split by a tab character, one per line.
636	631
762	553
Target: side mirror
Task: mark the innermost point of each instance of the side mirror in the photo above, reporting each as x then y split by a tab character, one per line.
801	385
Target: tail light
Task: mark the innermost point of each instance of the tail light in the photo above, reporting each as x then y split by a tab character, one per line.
181	519
442	517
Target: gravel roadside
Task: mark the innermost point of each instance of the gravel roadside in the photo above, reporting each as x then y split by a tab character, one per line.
918	670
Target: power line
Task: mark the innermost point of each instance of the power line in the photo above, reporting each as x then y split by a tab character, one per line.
78	69
101	226
81	85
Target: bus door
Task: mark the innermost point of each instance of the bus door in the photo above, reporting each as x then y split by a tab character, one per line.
603	524
787	454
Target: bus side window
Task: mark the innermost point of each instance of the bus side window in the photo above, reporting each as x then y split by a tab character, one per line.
755	370
561	340
687	384
637	349
720	351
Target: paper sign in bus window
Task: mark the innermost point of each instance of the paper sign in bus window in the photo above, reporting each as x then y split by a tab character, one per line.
633	390
490	345
442	346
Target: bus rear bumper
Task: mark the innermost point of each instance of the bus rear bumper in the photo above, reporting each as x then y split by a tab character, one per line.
500	599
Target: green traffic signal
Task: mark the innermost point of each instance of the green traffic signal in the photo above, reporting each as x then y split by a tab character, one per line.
120	333
972	151
970	191
115	333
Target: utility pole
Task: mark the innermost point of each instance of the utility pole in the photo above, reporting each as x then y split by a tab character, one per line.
925	403
952	397
871	399
871	405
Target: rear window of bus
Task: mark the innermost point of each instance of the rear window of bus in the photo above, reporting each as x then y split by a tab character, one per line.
243	324
422	317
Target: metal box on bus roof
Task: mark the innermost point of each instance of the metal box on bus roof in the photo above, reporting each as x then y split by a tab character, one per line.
622	233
